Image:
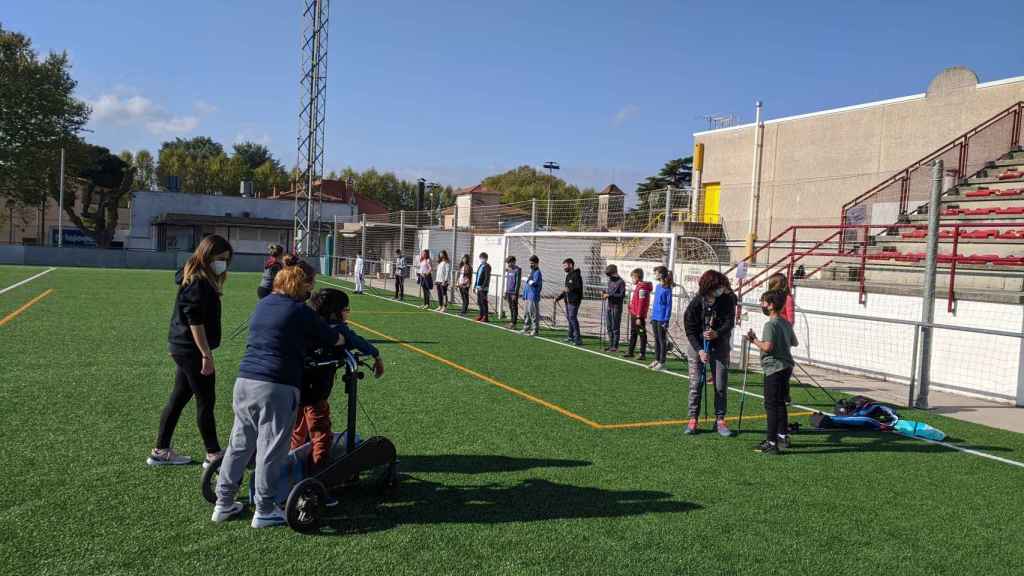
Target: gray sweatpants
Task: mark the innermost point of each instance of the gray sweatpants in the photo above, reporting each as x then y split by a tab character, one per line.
264	416
719	374
531	317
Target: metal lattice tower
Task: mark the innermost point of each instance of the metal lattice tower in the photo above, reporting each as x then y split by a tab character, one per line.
308	199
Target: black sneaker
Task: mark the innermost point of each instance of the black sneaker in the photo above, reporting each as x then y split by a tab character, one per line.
767	447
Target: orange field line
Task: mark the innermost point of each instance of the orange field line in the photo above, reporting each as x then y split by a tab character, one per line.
24	307
482	377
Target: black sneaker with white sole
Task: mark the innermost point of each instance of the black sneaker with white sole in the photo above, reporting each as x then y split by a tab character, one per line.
767	447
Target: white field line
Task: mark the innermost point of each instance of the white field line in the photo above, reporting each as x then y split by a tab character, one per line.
27	280
678	375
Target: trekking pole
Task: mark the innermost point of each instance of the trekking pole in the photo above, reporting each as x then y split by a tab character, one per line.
746	369
806	387
816	383
704	374
239	329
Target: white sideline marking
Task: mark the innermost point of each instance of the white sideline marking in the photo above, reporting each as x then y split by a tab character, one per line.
27	280
970	451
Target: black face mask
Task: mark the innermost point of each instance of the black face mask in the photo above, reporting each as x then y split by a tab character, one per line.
766	311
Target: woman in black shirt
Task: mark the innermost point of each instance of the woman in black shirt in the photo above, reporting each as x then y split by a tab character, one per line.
193	335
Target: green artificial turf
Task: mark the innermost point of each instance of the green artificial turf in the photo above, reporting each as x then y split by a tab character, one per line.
493	483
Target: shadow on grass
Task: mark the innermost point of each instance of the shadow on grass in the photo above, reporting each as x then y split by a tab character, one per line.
395	342
421	501
874	442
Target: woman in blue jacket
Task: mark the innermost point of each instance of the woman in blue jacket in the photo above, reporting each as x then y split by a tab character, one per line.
266	394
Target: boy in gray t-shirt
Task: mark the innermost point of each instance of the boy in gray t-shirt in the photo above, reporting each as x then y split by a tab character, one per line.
777	362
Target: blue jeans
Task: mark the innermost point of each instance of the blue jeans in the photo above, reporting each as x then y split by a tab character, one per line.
572	312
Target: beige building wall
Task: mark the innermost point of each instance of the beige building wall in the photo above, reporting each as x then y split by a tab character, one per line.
814	163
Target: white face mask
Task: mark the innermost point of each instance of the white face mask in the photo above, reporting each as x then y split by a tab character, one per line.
219	267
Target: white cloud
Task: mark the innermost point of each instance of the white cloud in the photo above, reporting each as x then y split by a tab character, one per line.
249	136
123	108
173	125
628	111
203	107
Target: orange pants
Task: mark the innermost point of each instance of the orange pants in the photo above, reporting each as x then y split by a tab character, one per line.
313	423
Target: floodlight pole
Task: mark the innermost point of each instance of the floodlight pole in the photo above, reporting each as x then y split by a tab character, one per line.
60	207
755	183
550	165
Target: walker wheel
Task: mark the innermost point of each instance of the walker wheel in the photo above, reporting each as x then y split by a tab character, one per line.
305	506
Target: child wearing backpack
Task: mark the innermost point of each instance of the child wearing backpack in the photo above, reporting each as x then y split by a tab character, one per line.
313	422
777	362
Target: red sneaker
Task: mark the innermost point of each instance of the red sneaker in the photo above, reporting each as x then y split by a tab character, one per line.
691	426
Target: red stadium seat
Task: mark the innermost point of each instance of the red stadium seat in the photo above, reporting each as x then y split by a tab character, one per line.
979	193
951	212
1010	192
1010	210
1012	234
1011	175
1009	261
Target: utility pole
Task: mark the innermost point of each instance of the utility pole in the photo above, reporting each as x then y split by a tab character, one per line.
928	295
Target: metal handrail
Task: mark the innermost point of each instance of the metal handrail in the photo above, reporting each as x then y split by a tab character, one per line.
962	139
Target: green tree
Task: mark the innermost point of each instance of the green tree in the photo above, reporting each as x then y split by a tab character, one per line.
102	181
145	171
37	112
253	155
198	162
678	172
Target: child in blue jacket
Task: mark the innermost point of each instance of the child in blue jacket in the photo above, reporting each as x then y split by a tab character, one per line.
660	316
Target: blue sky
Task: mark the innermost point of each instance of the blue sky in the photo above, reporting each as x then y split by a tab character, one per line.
455	91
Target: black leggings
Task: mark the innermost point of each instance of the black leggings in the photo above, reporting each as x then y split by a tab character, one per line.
775	388
442	294
637	329
513	307
188	382
464	292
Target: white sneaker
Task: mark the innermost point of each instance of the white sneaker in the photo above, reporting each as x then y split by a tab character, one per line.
275	518
658	367
165	457
211	458
225	513
652	365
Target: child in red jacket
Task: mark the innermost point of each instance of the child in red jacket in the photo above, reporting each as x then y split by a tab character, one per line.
639	304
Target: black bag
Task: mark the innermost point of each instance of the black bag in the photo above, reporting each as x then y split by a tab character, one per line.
848	406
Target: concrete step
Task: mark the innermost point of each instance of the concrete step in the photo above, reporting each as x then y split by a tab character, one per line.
1001	218
1000	247
998	185
992	201
968	277
914	290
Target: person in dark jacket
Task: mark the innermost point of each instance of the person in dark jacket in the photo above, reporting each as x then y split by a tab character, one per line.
270	269
313	422
266	393
513	283
482	286
193	336
710	318
573	296
614	296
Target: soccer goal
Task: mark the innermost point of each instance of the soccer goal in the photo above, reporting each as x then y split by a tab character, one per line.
592	252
